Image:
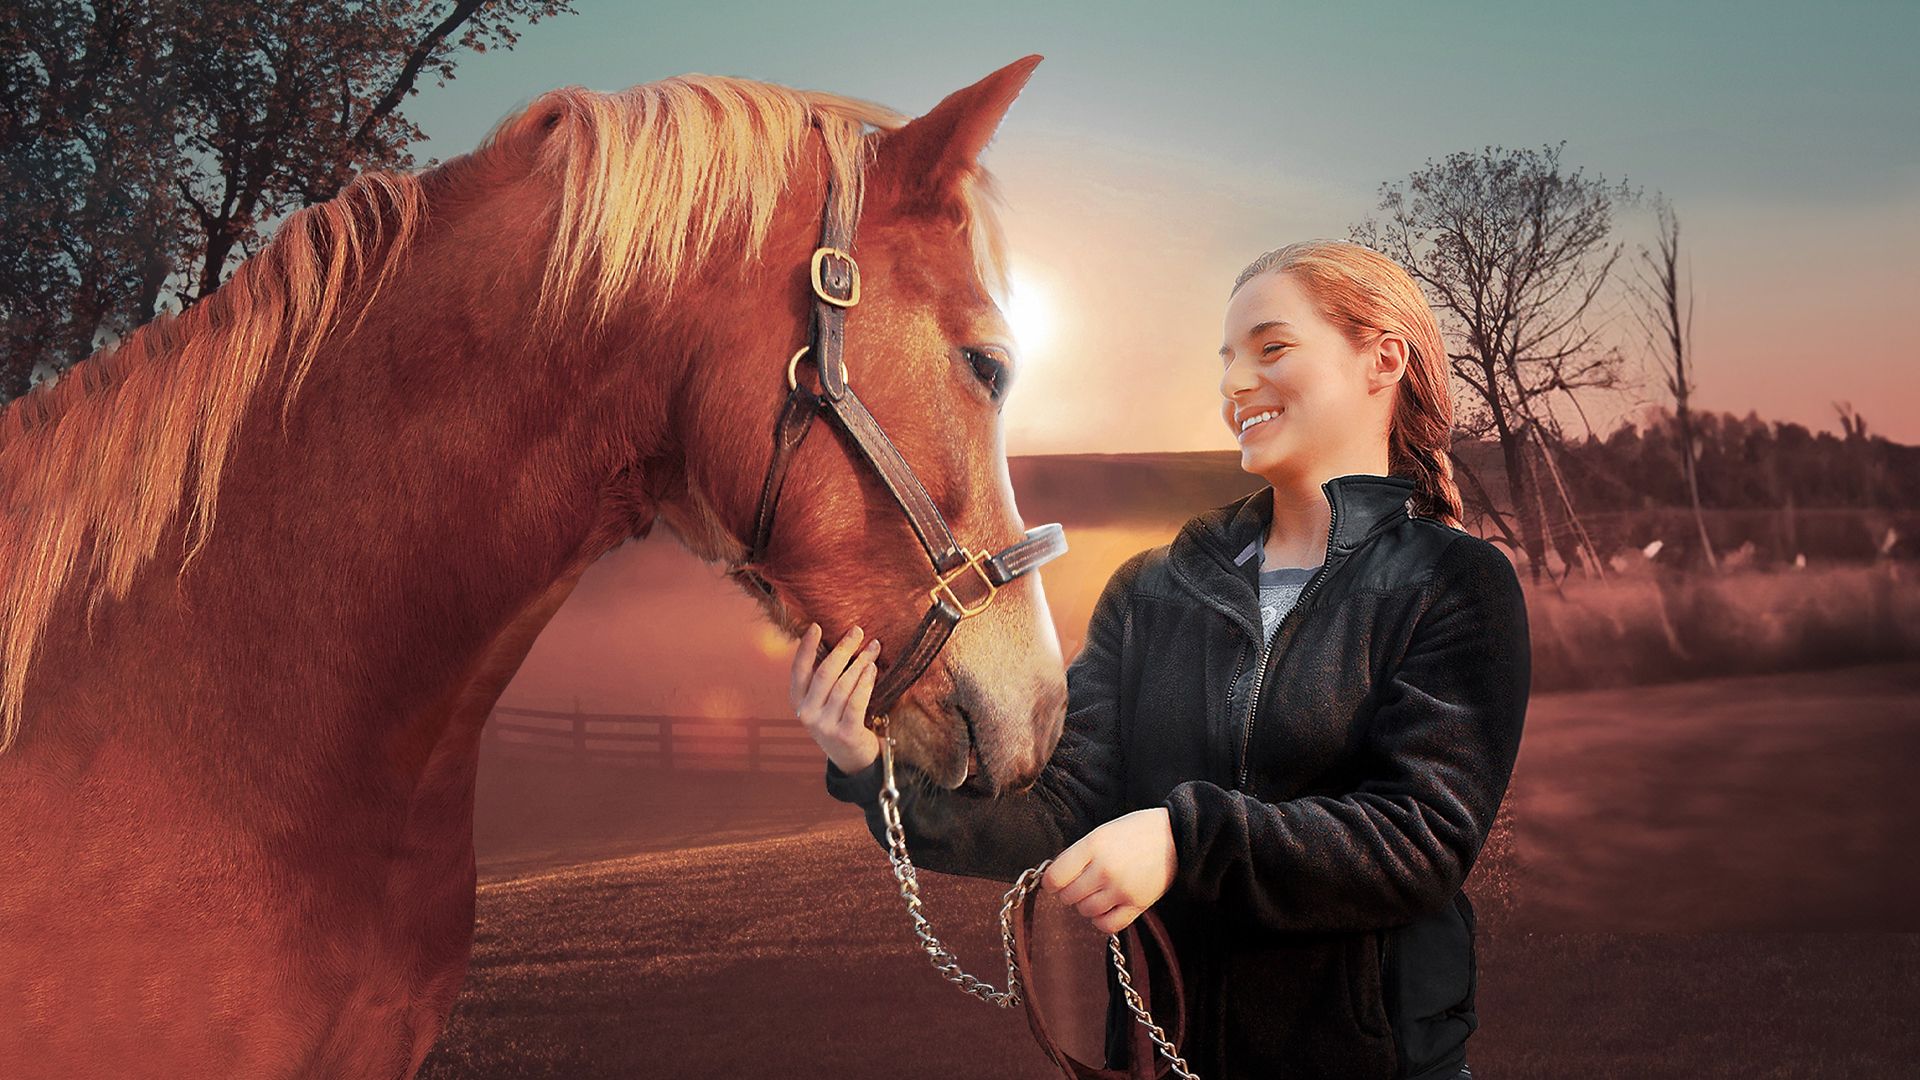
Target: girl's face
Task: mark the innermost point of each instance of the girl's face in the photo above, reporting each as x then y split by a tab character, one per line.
1329	405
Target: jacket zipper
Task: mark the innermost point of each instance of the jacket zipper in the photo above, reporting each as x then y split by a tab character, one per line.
1260	675
1239	658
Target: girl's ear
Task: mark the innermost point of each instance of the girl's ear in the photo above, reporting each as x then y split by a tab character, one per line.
920	166
1391	354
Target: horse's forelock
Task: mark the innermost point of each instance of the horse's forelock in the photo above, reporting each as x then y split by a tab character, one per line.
648	182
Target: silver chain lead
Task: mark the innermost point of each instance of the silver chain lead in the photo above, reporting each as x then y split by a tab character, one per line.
1139	1010
945	962
903	871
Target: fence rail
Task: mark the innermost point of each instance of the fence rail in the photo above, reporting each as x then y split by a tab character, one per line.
750	744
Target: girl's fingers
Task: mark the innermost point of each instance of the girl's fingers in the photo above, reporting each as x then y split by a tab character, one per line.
1118	919
1099	902
803	653
1066	871
843	686
856	715
830	670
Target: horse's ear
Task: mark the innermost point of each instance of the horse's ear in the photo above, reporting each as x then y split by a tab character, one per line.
921	163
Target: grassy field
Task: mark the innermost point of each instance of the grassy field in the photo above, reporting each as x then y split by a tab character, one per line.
1641	627
1701	879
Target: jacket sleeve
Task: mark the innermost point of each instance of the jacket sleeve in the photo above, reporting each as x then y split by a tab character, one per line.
1439	753
967	831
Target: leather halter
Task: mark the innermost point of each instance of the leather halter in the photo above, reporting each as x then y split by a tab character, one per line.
966	581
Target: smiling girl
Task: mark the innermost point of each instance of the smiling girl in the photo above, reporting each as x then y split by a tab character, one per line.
1291	726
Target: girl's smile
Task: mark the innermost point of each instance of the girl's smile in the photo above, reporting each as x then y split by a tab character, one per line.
1257	421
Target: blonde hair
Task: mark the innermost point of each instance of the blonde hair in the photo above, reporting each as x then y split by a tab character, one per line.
1363	293
647	182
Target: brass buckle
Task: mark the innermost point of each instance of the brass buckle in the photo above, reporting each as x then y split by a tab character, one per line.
793	363
820	286
973	562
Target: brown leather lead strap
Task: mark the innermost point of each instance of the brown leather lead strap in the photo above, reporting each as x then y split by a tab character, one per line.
1145	1062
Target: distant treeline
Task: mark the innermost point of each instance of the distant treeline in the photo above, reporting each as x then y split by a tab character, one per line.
1745	464
1777	485
1770	491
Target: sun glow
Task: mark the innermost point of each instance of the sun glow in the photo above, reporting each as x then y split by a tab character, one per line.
1030	313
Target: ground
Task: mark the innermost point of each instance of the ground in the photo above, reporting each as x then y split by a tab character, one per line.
1704	879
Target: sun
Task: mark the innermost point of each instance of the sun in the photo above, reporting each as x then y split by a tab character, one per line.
1030	313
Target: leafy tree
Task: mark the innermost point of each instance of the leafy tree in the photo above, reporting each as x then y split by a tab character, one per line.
147	145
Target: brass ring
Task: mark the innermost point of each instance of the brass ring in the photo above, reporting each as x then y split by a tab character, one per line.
793	379
793	363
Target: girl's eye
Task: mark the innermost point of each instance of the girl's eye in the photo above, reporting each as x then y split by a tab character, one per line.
1267	350
989	370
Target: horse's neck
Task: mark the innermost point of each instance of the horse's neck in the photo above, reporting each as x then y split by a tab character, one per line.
373	576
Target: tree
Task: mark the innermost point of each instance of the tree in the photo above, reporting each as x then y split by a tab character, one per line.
1513	251
1668	324
1861	455
147	145
84	174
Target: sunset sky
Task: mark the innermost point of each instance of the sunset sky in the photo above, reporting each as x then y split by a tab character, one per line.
1160	147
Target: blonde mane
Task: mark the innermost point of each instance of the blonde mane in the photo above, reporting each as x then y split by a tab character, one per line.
649	180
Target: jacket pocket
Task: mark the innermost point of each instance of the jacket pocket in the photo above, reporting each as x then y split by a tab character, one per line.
1366	981
1303	1004
1430	985
1466	1008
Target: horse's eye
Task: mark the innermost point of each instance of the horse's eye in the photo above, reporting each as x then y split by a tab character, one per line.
988	369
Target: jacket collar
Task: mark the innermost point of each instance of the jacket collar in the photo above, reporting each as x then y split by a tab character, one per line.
1216	552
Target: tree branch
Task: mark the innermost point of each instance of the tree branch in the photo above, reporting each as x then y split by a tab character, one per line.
410	71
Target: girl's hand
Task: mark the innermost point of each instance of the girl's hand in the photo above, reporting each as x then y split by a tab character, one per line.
1118	870
831	700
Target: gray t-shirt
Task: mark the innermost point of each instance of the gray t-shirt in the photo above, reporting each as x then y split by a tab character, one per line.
1279	587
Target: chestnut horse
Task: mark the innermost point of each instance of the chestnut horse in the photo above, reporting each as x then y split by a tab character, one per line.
268	565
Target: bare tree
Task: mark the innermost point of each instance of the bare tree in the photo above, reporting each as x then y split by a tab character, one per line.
1866	465
1514	252
1668	324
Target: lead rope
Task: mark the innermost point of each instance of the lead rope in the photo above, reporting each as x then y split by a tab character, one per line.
945	962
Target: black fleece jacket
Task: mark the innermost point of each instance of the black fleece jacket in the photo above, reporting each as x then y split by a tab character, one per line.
1328	788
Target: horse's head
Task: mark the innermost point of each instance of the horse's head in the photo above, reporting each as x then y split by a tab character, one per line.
928	352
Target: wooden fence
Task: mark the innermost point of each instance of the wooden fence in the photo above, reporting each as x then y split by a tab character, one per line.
752	744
